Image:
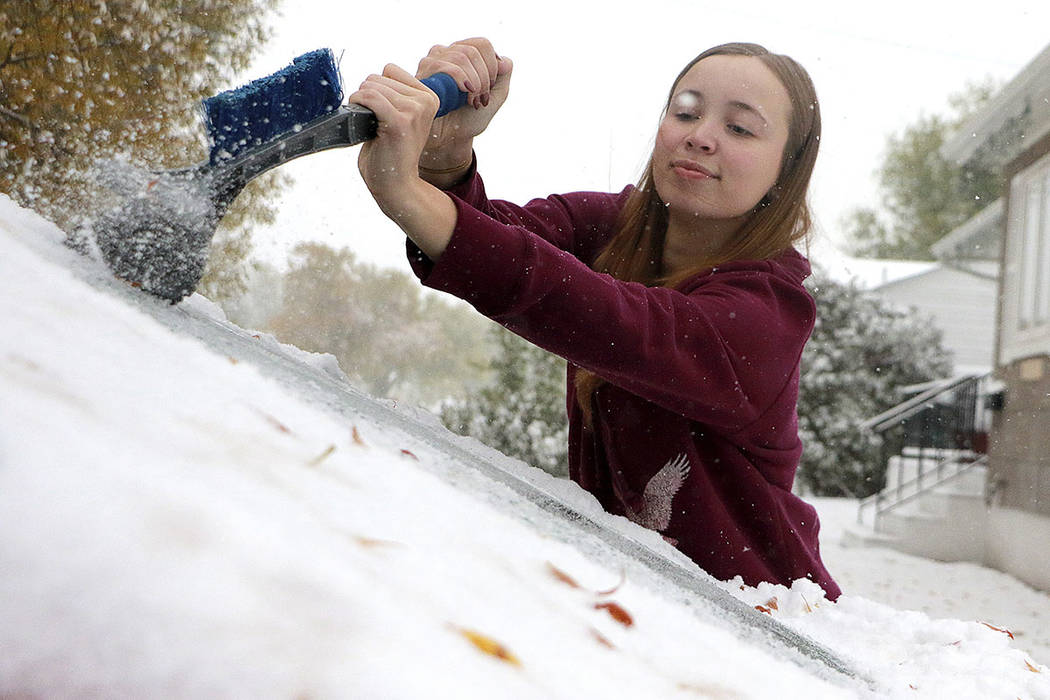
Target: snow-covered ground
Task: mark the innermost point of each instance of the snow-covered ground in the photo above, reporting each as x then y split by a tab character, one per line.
176	523
942	590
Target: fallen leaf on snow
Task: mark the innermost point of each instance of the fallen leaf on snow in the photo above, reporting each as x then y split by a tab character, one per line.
616	612
321	457
623	580
372	543
708	691
571	582
1032	668
356	436
562	576
601	639
274	422
407	453
1008	633
488	645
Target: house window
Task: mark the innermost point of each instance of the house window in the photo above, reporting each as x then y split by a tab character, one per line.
1034	298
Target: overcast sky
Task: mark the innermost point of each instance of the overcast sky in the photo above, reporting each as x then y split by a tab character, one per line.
589	84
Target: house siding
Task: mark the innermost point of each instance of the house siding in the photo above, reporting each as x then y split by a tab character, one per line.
1019	460
1018	338
1019	463
961	305
1015	544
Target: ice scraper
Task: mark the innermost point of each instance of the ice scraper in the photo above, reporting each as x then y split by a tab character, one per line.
157	236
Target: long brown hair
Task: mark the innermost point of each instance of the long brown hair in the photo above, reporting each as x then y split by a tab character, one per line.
780	219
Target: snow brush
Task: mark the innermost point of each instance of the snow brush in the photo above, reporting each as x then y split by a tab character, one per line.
158	236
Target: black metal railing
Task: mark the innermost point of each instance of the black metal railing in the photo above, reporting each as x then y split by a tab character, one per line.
930	439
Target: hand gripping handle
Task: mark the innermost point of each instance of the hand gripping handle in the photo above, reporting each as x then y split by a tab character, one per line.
447	91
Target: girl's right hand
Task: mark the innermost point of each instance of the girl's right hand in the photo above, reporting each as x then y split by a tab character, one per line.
480	73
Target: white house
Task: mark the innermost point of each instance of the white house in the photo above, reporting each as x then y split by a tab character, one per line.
1005	523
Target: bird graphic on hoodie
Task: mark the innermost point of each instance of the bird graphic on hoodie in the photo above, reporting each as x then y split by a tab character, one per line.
658	494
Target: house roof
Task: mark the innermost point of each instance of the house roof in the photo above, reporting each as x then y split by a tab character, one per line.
977	239
1013	103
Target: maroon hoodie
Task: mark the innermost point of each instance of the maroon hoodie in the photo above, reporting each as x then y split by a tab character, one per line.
695	433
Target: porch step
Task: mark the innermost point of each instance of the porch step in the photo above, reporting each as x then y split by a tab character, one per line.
954	534
857	536
947	501
906	470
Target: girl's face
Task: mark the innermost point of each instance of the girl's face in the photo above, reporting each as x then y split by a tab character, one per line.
719	147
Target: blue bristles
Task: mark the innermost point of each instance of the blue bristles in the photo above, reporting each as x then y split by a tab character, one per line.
266	108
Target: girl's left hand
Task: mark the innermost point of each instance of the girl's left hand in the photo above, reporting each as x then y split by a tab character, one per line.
405	110
389	163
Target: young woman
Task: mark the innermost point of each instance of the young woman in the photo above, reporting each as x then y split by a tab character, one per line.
678	303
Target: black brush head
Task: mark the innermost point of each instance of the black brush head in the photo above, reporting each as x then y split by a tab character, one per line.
159	240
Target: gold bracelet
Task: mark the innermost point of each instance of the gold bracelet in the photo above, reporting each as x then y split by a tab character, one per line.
446	171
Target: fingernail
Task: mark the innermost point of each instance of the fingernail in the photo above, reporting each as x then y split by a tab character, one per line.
468	85
485	100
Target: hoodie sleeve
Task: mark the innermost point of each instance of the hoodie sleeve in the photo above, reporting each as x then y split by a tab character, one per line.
719	351
578	223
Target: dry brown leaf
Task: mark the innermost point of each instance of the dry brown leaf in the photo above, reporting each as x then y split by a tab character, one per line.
407	453
616	612
623	580
275	423
356	436
1032	668
562	576
233	360
371	543
601	639
571	582
713	692
489	646
322	457
1008	633
763	609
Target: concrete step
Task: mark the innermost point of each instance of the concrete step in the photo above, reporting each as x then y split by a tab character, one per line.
857	536
904	470
906	520
958	535
946	501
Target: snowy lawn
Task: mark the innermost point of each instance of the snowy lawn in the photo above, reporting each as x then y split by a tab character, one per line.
959	591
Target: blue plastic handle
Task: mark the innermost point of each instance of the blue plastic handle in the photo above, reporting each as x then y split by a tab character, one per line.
447	91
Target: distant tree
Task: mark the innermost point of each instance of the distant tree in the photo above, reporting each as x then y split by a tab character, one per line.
521	412
86	80
861	352
261	299
924	196
391	338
